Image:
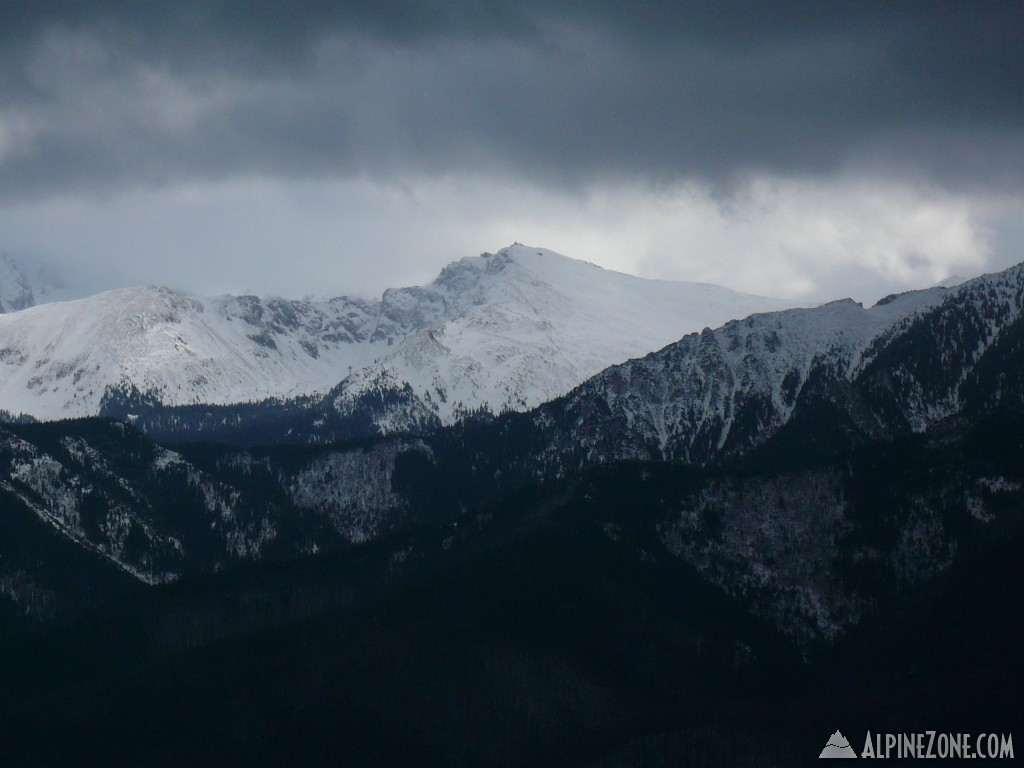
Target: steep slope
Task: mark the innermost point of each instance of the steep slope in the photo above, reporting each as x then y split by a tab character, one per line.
722	392
499	332
147	510
154	515
838	375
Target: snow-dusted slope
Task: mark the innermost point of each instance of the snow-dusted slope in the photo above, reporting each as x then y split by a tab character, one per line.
509	330
57	360
840	373
729	389
512	330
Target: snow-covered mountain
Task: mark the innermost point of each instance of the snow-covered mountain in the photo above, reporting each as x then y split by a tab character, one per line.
834	376
58	360
725	391
496	332
512	330
740	499
15	288
820	406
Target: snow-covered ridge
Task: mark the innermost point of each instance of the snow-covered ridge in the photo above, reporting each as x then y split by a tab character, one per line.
901	365
57	360
494	332
512	330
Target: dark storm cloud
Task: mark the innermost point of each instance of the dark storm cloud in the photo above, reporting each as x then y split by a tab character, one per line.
128	92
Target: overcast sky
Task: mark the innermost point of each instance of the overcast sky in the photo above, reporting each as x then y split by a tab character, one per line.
804	149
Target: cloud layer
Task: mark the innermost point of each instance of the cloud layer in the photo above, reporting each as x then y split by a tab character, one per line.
119	107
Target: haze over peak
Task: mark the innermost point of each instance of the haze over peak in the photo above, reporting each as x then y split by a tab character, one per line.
15	291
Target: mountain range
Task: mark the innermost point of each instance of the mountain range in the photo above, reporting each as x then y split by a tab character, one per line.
497	332
674	557
771	388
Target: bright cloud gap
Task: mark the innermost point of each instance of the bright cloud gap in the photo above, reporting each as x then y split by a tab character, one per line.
810	239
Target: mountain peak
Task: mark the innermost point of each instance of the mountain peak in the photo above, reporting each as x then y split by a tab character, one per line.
518	255
531	256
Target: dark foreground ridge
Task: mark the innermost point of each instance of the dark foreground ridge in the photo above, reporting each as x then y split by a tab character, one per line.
555	628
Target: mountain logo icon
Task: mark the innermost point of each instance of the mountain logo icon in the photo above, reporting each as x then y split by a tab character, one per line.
837	746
